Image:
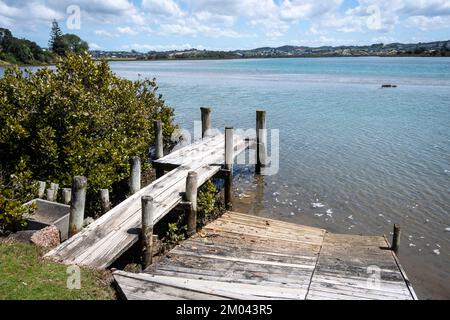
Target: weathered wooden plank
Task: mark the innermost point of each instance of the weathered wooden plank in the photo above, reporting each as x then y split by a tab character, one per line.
346	266
134	287
220	225
225	289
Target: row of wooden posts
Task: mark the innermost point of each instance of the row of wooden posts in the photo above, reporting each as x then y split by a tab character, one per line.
190	199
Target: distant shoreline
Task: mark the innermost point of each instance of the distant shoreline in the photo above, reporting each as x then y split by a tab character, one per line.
261	58
5	65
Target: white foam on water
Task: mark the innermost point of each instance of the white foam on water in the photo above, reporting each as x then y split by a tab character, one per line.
292	213
447	229
350	217
317	205
318	214
329	211
412	245
437	252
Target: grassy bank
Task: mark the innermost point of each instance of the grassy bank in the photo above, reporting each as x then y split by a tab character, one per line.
25	275
4	63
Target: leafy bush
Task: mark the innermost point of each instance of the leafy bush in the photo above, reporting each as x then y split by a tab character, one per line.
80	119
206	198
14	191
176	232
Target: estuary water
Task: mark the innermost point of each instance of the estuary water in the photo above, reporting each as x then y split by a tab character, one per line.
354	158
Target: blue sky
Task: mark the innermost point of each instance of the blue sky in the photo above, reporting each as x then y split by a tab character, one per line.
145	25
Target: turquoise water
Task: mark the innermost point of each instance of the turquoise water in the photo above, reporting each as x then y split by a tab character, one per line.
372	157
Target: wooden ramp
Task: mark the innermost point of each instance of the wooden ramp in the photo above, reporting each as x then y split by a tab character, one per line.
246	257
103	241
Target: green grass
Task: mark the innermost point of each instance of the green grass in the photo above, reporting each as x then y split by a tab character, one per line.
25	275
4	63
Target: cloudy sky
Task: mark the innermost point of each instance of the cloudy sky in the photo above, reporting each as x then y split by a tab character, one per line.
146	25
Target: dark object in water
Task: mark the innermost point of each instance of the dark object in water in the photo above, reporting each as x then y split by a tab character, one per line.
389	86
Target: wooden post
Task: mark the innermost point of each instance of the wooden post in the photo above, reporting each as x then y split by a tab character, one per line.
396	238
104	198
191	197
66	195
135	175
147	230
206	121
41	189
54	186
76	216
229	159
51	194
261	140
159	145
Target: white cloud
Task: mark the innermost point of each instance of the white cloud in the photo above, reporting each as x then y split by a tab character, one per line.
215	19
163	7
103	33
94	46
126	30
425	23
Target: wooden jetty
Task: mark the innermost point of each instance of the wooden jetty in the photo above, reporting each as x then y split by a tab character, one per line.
241	256
237	256
103	241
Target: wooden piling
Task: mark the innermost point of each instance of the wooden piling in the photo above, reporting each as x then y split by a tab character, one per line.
41	189
135	175
206	121
159	145
228	168
66	195
76	217
147	230
191	197
396	238
104	199
51	194
261	140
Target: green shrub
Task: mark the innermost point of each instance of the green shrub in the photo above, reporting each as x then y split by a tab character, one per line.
176	232
206	198
79	119
14	191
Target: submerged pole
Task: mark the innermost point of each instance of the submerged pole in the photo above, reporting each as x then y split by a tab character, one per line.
261	140
396	238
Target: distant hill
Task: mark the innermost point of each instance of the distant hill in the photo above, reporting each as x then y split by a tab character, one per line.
436	48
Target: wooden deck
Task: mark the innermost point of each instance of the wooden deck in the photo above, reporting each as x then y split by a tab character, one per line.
240	256
103	241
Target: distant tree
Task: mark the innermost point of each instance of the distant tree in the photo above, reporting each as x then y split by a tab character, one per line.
73	43
57	43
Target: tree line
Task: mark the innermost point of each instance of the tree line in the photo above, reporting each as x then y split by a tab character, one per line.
22	51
